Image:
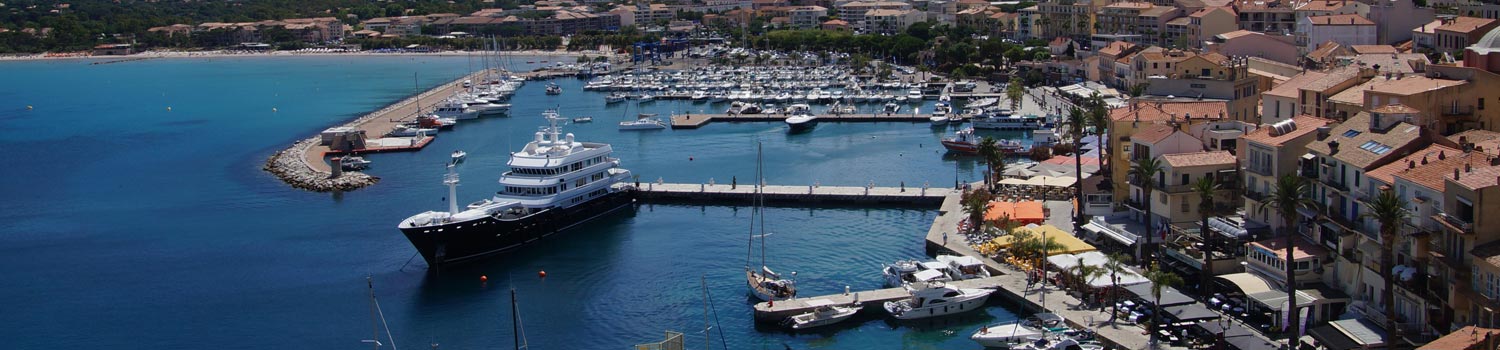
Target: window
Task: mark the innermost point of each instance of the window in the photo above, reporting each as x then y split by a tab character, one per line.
1351	133
1184	206
1184	179
1481	103
1205	72
1198	86
1161	197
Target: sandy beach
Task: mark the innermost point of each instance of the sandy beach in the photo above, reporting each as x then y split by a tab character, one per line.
235	53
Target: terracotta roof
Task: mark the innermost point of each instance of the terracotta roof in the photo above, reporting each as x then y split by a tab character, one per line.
1395	109
1129	5
1208	10
1323	5
1476	178
1180	21
1466	24
1157	11
1291	87
1364	49
1148	111
1116	48
1235	34
1414	85
1333	77
1429	27
1355	132
839	22
1463	338
1428	166
1301	248
1396	63
1215	58
1306	124
1059	41
1475	136
1191	159
1340	20
1153	133
1323	51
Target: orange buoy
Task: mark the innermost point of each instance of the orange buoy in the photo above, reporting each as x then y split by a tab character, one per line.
483	278
541	273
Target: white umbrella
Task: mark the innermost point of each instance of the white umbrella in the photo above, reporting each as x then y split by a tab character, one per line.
1019	172
1013	181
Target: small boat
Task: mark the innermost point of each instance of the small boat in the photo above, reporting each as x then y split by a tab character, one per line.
822	316
933	299
404	130
583	120
453	108
1017	333
911	271
801	122
914	95
961	267
939	121
353	163
643	122
763	283
615	98
645	98
553	89
891	108
1057	343
962	141
458	157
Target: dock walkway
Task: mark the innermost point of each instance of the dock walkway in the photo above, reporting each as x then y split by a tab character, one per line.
719	192
873	300
694	121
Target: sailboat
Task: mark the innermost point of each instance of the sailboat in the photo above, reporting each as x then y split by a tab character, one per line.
765	284
518	332
377	315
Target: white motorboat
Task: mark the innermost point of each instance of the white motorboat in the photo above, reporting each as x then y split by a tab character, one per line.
581	120
823	315
891	108
404	130
457	157
914	95
699	96
645	98
938	120
962	267
353	163
717	97
553	89
801	122
945	98
901	99
615	98
911	271
452	108
1017	333
934	299
644	121
1057	343
1004	120
981	103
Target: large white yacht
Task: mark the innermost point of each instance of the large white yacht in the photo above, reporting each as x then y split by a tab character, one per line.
554	183
934	299
452	108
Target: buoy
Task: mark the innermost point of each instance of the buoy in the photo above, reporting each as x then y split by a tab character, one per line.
483	278
169	109
28	107
690	158
542	273
273	109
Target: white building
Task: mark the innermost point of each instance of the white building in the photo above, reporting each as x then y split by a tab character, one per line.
854	11
1343	29
891	21
806	17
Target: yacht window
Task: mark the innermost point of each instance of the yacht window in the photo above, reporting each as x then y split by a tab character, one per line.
950	294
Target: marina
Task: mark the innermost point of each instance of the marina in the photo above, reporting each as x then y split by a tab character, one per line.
694	121
811	194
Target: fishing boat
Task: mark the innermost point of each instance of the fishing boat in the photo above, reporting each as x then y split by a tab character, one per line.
962	141
353	163
823	315
764	284
643	121
933	299
1017	333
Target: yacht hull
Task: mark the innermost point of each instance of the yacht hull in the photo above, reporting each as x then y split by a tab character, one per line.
462	242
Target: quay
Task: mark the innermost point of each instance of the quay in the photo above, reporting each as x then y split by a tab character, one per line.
694	121
720	192
304	165
872	300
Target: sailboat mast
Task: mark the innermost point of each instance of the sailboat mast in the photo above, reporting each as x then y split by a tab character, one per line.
707	343
515	320
760	197
374	323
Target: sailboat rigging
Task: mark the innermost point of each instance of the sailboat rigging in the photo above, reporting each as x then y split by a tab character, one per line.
765	284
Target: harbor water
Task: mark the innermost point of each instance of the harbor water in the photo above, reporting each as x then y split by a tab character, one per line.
137	216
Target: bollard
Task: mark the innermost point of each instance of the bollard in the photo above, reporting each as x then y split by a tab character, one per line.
846	290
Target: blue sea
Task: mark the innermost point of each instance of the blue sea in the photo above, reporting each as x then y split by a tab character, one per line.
137	216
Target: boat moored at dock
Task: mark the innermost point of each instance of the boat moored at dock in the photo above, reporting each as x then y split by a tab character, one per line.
935	299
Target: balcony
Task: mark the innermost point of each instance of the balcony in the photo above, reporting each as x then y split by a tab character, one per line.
1134	204
1255	196
1263	170
1454	223
1457	111
1332	182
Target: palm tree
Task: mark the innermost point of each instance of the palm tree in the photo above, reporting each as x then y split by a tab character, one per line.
1085	272
1159	280
989	151
1075	130
1389	211
1206	188
1015	90
1114	264
1098	115
1289	195
975	204
1145	171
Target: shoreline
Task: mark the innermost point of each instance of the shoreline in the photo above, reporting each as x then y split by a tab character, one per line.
229	54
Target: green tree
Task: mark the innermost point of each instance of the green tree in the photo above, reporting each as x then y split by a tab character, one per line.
1015	90
1389	211
1114	265
1206	189
1290	194
1099	119
1145	171
1076	120
1160	280
975	203
989	151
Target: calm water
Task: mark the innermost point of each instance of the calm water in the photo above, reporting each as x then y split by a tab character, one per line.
135	226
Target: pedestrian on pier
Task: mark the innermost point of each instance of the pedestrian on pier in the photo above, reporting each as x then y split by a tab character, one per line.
945	238
733	182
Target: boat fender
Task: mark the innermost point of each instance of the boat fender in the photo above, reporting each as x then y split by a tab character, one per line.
541	273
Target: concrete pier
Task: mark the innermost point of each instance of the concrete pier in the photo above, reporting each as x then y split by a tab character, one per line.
721	192
303	165
694	121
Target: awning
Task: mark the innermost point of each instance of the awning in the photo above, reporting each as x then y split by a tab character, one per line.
1369	248
1070	244
1234	329
1364	333
1169	296
1068	261
1273	299
1250	343
1190	312
1248	283
1227	229
1331	338
927	275
1126	238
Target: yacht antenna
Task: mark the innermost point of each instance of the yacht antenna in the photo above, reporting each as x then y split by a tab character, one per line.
451	180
